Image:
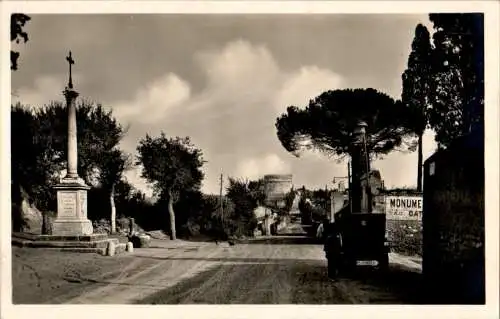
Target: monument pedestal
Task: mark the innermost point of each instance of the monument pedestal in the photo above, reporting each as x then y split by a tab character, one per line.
71	217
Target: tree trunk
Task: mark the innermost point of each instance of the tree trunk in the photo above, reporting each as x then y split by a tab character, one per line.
113	209
171	213
45	224
420	164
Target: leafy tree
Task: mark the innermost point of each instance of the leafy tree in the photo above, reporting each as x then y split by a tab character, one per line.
416	89
256	188
113	164
17	23
329	121
39	147
98	132
457	91
23	153
124	192
172	165
245	196
196	213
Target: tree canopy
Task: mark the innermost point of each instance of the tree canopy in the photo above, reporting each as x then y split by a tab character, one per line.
246	196
170	164
328	122
17	23
98	133
113	164
457	89
416	80
31	164
416	89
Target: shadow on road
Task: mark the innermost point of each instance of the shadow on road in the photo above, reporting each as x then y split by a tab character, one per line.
288	281
273	283
235	259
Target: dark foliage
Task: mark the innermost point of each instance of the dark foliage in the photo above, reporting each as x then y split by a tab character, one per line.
245	197
457	89
17	23
416	90
327	123
316	209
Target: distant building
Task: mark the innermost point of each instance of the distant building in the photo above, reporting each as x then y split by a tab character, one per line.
276	187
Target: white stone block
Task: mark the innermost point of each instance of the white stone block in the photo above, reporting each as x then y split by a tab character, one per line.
130	247
111	248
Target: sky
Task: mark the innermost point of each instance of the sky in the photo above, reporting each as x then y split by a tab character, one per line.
222	80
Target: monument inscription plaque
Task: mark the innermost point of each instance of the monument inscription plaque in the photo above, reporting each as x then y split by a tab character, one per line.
68	205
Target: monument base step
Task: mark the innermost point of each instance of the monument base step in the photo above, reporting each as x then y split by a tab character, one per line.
70	227
95	243
38	237
68	244
100	251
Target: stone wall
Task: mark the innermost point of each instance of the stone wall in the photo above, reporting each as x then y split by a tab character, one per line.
453	220
25	216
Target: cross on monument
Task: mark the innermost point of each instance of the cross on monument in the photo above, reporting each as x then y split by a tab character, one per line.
70	60
71	217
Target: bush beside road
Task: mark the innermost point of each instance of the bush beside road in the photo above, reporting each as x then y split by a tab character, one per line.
405	236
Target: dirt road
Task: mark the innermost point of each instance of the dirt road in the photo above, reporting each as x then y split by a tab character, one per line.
278	270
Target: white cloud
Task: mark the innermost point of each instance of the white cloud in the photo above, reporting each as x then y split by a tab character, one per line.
153	102
255	168
45	89
302	85
241	66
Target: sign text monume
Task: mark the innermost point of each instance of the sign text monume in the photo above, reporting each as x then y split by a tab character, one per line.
403	207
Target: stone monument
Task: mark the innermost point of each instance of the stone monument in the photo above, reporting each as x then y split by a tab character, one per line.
72	230
71	217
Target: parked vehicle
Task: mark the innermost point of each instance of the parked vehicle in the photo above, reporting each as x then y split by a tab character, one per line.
363	240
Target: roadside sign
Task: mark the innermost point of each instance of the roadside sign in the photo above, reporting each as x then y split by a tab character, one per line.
403	207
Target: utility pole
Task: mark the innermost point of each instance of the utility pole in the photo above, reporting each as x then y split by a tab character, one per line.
221	199
349	185
326	198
